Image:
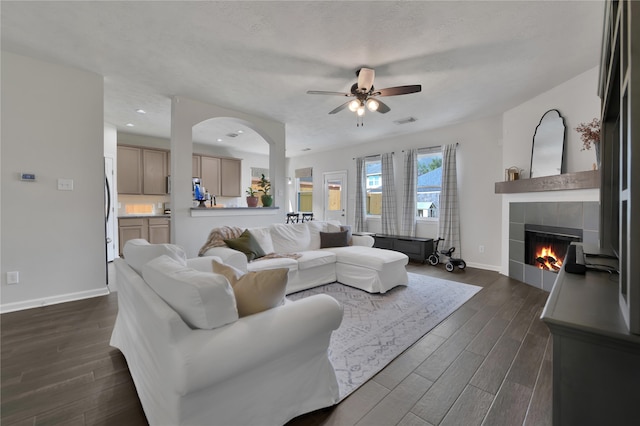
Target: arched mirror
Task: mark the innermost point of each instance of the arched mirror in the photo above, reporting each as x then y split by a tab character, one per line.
548	145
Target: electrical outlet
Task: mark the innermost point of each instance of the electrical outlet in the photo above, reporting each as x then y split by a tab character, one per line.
13	277
481	249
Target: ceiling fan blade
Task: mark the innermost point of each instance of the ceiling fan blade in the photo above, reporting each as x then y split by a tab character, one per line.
382	107
321	92
365	79
340	108
398	90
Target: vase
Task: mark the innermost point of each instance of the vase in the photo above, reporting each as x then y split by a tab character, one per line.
252	201
267	200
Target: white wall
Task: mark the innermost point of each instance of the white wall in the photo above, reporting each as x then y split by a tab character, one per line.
479	161
191	232
578	102
52	125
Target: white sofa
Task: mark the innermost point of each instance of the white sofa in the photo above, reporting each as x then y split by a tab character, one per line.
261	369
359	265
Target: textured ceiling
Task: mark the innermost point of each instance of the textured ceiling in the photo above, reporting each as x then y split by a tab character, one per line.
473	59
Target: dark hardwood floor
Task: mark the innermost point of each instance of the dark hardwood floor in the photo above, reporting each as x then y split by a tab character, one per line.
488	363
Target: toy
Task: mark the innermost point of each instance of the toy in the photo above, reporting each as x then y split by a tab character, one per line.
434	258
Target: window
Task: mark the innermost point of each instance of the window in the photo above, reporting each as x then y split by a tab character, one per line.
429	183
373	169
304	190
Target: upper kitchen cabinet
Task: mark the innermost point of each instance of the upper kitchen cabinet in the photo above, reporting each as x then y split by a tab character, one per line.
129	170
154	167
195	165
210	174
142	171
230	178
219	176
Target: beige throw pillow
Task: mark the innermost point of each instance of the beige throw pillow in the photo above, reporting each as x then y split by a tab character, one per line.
255	291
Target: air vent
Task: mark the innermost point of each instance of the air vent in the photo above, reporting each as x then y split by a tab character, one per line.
406	120
306	149
232	135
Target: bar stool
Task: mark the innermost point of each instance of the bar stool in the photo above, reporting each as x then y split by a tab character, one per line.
293	217
306	217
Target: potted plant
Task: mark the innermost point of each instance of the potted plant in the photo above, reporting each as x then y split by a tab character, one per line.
265	187
252	200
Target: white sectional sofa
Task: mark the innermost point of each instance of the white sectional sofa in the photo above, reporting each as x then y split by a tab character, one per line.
194	361
358	265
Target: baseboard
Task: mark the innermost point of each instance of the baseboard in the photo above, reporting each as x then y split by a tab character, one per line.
494	268
53	300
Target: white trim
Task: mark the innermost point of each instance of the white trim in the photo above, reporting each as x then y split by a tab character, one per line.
494	268
53	300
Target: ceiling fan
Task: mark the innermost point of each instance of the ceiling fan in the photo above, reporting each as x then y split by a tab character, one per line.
366	95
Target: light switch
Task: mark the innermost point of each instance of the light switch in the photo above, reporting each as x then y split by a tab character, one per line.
65	184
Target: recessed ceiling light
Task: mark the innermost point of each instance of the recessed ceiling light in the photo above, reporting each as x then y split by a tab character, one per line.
240	131
141	111
219	140
129	124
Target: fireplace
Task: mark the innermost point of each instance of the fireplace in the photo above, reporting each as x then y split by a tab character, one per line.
579	220
546	246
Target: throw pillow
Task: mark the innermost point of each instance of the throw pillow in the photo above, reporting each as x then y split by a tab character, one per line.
202	299
334	239
263	237
349	236
255	291
247	244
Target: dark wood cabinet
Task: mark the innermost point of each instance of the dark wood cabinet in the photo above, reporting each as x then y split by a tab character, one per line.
418	249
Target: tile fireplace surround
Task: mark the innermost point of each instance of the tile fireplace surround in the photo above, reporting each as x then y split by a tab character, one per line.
583	215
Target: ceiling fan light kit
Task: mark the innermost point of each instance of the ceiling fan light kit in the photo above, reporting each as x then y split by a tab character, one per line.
365	95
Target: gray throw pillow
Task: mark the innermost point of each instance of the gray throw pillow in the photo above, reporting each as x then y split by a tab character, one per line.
334	239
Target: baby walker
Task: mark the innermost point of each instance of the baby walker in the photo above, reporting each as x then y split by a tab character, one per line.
434	258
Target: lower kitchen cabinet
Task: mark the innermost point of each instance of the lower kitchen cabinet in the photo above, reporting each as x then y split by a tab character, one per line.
159	230
156	230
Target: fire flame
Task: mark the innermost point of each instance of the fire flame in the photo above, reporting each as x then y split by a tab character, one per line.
547	259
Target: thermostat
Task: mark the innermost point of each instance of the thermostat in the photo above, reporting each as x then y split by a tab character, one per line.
28	177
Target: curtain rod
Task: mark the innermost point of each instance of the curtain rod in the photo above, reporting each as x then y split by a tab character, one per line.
373	155
435	146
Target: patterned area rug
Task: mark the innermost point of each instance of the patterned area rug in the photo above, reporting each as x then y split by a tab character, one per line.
376	328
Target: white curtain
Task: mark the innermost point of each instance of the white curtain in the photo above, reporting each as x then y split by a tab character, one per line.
389	206
409	208
361	193
449	227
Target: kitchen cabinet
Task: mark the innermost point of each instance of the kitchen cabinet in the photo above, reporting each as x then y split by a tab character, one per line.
219	176
156	230
230	179
195	165
154	172
129	170
159	230
210	174
142	171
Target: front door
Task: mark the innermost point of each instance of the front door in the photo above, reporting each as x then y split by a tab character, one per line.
335	196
